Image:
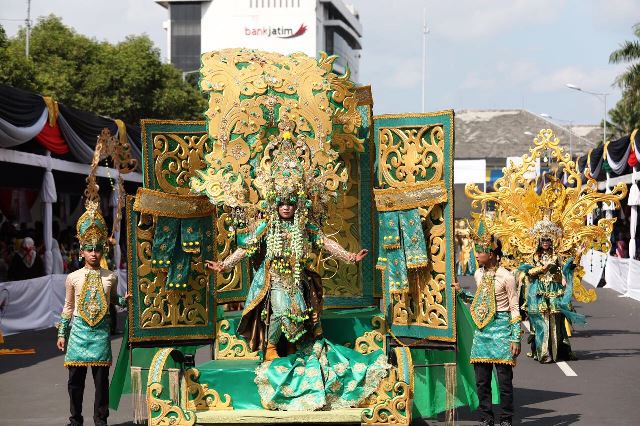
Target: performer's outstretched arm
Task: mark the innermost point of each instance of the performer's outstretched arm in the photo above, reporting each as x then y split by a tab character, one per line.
335	249
231	261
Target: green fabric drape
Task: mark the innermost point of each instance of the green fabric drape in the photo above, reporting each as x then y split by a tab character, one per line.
320	375
402	247
429	383
121	379
234	378
175	243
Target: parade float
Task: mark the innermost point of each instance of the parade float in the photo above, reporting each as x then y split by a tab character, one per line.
378	182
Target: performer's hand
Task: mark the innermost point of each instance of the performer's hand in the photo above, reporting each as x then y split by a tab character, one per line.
515	349
361	255
127	296
214	266
60	343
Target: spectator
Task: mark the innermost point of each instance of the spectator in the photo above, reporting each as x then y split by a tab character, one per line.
26	263
56	256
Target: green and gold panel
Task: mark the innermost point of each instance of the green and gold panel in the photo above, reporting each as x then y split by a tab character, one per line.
157	312
415	155
172	152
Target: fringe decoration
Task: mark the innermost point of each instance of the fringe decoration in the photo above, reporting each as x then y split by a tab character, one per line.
450	383
139	400
174	385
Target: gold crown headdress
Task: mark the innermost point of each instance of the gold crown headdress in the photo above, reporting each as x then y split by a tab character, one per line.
546	229
481	234
91	226
278	125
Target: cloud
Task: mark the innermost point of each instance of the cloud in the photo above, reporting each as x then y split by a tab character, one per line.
609	14
598	79
466	20
460	20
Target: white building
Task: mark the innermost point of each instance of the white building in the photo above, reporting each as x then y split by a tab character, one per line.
283	26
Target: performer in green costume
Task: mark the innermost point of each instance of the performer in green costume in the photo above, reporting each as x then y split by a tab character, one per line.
89	291
285	297
495	312
548	288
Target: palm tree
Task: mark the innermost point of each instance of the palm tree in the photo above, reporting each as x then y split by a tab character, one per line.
629	52
625	116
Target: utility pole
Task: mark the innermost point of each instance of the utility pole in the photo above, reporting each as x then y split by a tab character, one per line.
425	31
28	21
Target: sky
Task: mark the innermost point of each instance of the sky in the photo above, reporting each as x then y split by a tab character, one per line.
481	54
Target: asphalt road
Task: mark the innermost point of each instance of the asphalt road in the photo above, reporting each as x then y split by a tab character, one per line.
605	389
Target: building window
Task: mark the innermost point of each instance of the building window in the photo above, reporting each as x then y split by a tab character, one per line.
273	3
185	35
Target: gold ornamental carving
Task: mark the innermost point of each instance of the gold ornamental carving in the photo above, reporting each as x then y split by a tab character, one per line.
229	346
373	340
164	412
341	279
176	157
580	293
250	90
410	175
410	155
201	398
395	410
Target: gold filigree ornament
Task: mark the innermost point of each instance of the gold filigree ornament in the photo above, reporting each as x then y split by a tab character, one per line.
558	211
163	412
201	398
373	340
120	153
229	346
395	410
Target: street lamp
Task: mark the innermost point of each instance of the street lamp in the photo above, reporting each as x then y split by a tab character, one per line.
603	98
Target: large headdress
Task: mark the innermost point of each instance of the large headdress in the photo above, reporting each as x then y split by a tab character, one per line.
528	209
91	227
278	125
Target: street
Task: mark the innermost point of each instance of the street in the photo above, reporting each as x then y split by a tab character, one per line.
600	388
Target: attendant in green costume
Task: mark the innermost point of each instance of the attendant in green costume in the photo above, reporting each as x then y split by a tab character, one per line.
89	291
496	341
285	298
547	284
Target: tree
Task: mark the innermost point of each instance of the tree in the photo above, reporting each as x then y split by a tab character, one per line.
15	69
629	52
126	80
625	116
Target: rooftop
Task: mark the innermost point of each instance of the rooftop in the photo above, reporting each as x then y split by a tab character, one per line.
501	133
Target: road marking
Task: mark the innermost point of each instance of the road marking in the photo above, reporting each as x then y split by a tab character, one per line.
568	371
